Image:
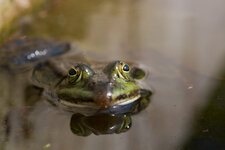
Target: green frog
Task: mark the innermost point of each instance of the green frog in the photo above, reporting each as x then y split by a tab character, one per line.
109	90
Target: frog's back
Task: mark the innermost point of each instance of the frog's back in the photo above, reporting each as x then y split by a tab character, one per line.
28	51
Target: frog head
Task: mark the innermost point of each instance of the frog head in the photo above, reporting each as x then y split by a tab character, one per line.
100	84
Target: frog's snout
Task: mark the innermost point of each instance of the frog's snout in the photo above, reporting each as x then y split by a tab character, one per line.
102	93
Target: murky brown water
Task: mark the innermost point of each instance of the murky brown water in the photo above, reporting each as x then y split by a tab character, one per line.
181	42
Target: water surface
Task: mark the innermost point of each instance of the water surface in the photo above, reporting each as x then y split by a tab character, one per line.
180	42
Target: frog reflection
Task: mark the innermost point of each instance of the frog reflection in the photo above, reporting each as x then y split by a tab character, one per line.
99	124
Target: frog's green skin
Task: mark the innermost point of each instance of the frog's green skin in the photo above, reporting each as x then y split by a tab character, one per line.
80	86
90	88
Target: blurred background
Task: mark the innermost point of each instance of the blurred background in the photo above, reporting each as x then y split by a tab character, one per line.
181	42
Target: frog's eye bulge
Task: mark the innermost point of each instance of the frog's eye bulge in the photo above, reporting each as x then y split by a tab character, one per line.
74	74
87	72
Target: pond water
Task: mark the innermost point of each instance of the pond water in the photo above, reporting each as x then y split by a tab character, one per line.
181	43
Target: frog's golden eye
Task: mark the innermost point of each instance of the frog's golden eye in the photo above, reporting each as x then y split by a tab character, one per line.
123	67
124	70
74	74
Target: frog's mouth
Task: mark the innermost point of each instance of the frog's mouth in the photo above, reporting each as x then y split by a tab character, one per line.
127	101
99	101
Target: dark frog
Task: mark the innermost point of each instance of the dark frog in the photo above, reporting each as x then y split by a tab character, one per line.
93	91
